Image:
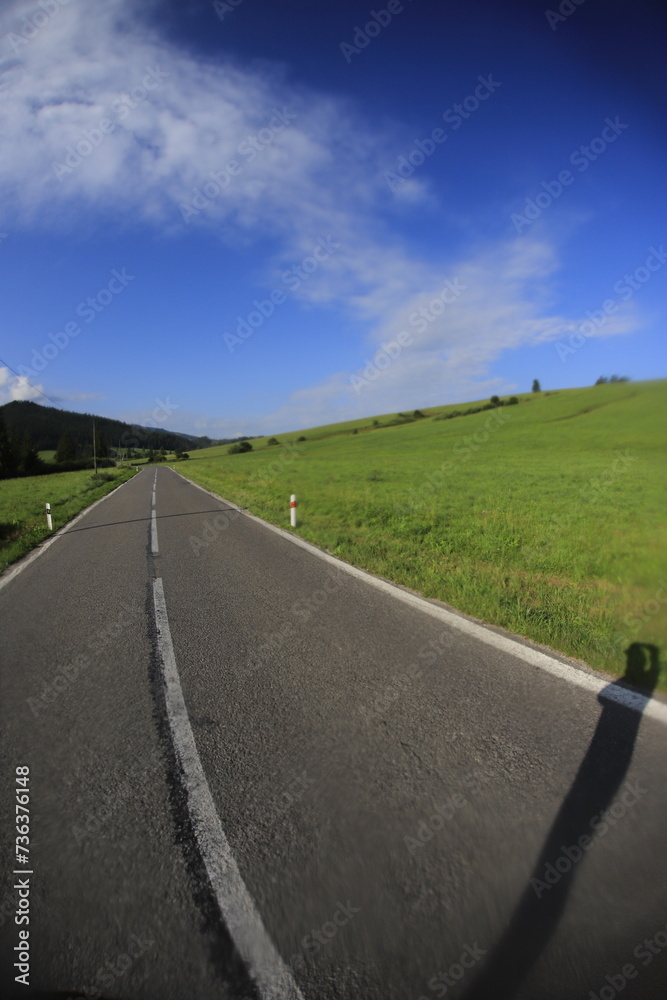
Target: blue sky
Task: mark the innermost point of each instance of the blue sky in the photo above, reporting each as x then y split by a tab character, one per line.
259	217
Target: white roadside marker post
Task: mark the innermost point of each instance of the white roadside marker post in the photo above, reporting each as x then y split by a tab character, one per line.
49	522
292	510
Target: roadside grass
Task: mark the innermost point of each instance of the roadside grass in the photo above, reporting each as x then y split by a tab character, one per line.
546	518
23	505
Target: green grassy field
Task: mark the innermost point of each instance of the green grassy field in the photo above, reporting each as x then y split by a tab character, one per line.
22	506
546	518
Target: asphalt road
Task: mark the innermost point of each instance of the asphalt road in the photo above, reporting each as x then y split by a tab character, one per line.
402	803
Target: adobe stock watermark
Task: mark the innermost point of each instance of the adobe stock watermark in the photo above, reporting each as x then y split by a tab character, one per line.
300	612
7	908
88	310
444	981
445	811
427	656
590	493
454	116
645	952
113	969
215	526
600	824
224	7
291	279
581	158
464	449
94	821
565	9
625	288
321	937
419	320
139	437
635	621
67	674
363	36
280	805
249	148
92	138
33	23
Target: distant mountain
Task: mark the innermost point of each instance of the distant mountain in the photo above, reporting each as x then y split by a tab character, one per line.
47	425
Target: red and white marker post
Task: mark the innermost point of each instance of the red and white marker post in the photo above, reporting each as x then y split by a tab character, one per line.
292	510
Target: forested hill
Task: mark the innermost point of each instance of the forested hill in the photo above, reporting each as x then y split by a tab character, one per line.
47	424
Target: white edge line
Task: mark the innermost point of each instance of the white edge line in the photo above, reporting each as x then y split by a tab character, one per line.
272	976
11	572
632	699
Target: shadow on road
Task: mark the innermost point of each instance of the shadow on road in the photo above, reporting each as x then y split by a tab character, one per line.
160	517
599	778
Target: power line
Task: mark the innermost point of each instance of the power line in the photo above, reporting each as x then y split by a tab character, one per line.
35	387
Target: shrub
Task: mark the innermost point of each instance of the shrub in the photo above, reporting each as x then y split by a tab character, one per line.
512	401
495	400
302	438
272	441
402	418
240	448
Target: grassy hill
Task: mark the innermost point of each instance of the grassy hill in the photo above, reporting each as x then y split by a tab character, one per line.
546	518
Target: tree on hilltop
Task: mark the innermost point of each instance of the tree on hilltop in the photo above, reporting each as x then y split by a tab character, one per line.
603	380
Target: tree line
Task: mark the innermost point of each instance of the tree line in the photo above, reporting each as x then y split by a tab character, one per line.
27	428
48	424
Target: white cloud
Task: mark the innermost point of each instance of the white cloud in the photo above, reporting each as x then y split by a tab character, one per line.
16	387
307	168
174	120
501	300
